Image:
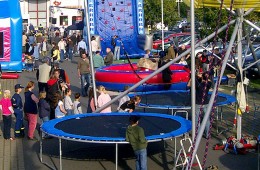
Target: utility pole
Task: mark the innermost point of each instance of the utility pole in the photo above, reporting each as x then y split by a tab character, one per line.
178	3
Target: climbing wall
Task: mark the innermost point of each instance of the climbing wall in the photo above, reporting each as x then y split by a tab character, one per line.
117	17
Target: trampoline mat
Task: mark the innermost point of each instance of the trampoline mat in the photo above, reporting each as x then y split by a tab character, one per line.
115	126
172	99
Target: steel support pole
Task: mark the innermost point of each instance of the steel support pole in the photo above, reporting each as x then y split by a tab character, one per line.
60	153
162	24
212	98
90	53
41	146
249	11
239	63
116	156
193	68
252	25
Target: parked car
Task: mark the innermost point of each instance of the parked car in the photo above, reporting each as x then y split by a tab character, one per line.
158	34
170	38
253	70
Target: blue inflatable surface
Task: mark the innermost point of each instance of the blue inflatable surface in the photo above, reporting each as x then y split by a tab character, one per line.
122	18
10	15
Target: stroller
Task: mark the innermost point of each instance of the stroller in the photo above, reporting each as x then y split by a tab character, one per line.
29	63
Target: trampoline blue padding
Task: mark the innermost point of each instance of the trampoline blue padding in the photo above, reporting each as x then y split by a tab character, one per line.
176	99
111	127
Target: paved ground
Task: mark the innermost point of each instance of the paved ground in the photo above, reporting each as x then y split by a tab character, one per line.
24	154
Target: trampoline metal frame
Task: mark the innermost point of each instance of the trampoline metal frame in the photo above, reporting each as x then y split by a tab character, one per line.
219	112
103	141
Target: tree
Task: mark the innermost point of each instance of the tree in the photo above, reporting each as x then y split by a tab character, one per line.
152	10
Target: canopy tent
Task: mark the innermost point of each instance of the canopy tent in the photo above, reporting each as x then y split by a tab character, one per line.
77	26
238	4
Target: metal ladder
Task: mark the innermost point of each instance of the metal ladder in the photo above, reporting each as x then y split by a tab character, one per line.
183	156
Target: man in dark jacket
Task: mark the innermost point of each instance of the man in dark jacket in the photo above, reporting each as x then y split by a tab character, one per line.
109	57
17	104
202	84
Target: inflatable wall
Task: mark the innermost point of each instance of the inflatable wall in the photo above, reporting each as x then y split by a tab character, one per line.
124	18
10	36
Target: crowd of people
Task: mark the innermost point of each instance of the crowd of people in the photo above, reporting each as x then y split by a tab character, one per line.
55	100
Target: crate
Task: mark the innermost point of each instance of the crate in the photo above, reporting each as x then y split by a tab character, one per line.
231	80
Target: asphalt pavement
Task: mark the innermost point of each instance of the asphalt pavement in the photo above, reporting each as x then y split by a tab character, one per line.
24	154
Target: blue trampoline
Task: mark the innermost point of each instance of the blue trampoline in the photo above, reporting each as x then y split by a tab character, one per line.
176	99
111	128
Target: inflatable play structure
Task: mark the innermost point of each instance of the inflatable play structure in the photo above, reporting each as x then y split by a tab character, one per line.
122	18
116	77
10	36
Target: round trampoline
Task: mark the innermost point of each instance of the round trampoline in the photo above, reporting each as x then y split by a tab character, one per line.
111	128
176	99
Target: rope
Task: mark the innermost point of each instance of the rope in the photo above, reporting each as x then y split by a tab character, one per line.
203	96
215	99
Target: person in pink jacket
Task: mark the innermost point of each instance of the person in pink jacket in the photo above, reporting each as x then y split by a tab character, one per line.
7	110
103	98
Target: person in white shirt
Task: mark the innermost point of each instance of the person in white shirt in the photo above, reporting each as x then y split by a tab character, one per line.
82	47
43	74
59	110
62	46
94	45
68	102
183	61
124	98
24	38
77	104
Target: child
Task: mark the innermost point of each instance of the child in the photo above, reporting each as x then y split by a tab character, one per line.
17	104
183	61
59	110
67	102
44	47
103	98
77	104
7	110
44	107
136	137
91	104
44	110
129	106
124	98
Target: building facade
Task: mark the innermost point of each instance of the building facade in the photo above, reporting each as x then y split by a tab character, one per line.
48	13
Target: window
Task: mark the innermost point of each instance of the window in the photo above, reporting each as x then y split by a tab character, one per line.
76	19
37	10
1	45
64	20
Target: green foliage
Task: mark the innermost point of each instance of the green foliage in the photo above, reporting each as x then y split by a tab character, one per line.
152	10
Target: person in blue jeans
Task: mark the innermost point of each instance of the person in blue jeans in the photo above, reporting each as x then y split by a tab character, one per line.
44	110
17	104
202	85
84	74
117	49
135	136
